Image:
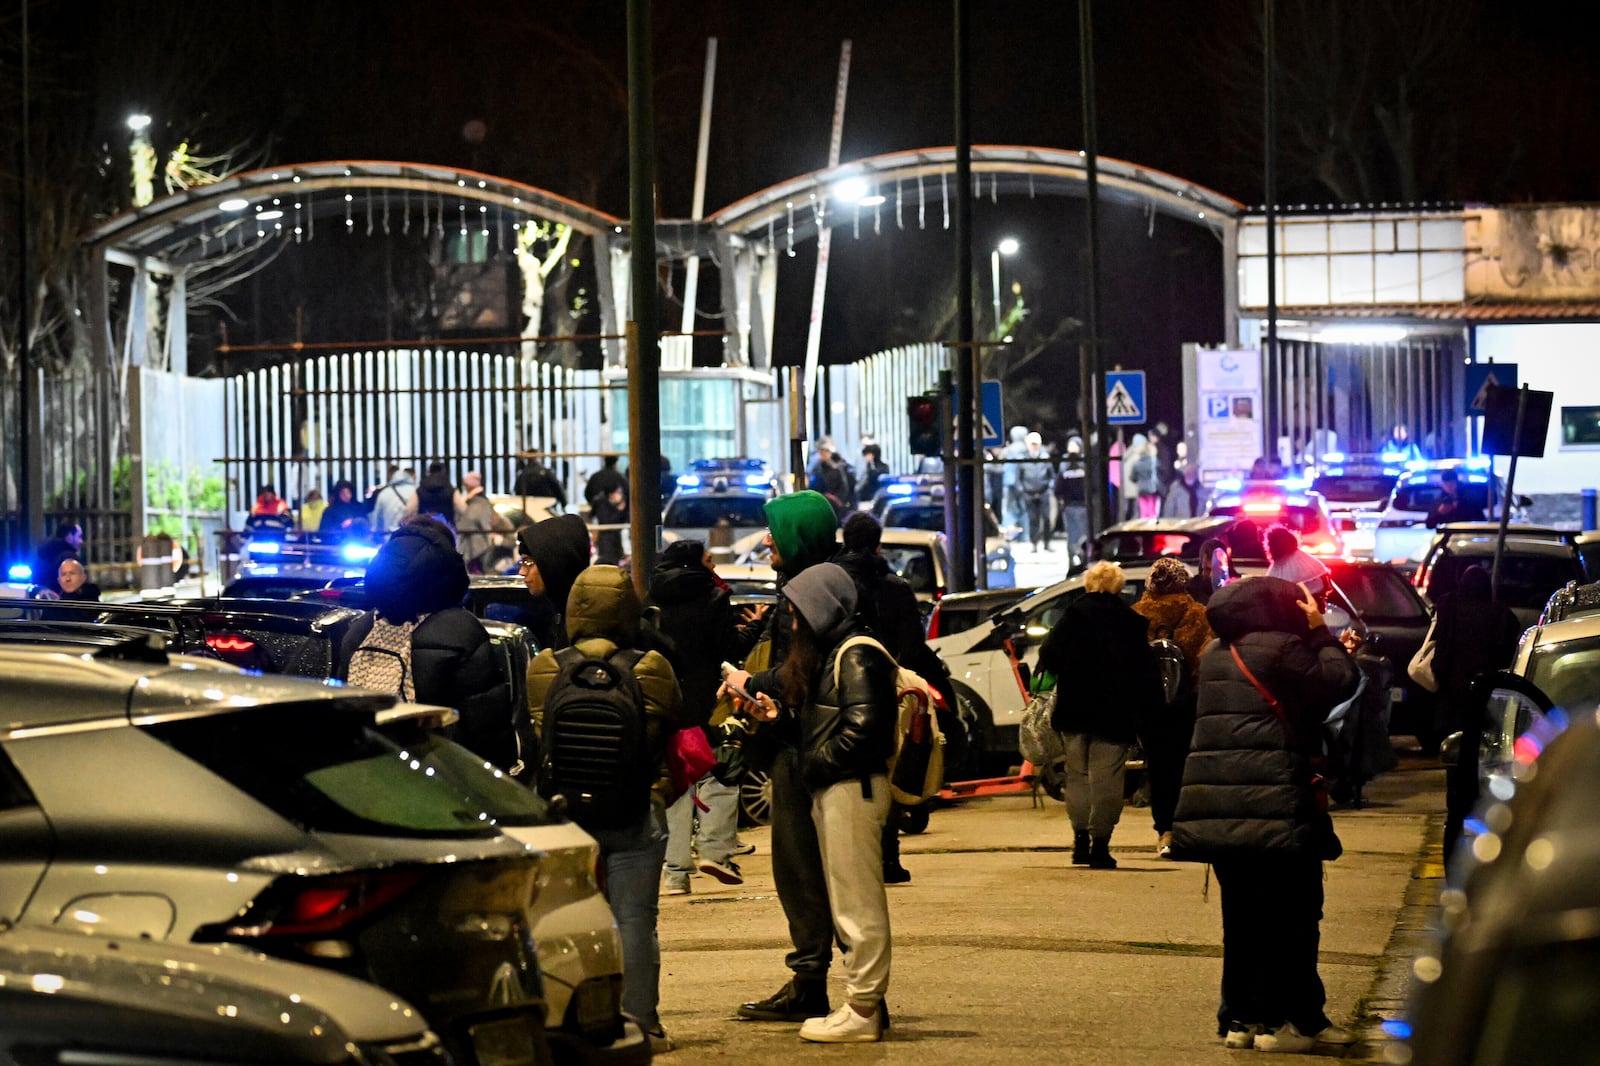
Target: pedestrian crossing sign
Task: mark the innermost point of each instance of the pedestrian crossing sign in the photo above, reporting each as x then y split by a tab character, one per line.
1481	377
1125	398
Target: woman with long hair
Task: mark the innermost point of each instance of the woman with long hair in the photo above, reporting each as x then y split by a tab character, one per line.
841	684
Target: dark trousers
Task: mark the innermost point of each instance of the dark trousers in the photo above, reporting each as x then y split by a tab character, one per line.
797	870
1271	910
1166	747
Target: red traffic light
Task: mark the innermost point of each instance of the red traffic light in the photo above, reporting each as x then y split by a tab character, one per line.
922	408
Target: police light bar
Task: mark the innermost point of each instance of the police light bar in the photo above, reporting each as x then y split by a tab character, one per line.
900	490
1299	483
266	547
1392	457
688	481
1229	484
756	481
19	572
1417	464
358	553
1478	462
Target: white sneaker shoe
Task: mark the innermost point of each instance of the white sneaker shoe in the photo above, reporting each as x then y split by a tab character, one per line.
1241	1037
1335	1036
1284	1038
726	871
844	1026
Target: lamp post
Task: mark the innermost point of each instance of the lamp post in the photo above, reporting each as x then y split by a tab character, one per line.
141	159
1007	246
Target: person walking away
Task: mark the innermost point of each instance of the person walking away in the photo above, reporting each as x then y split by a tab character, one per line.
1141	480
345	513
1173	615
802	528
626	812
1293	564
1106	684
1014	514
841	688
699	631
1252	807
1451	506
419	643
551	555
1034	479
1212	570
436	495
66	544
477	522
609	510
536	479
1183	499
1074	503
1471	633
888	609
873	468
393	500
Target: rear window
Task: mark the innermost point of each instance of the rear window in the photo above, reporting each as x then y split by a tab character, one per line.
913	564
1345	488
703	512
928	516
1422	497
1526	581
1379	594
1131	547
328	769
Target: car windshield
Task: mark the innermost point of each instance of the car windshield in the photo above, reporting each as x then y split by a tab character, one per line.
1379	594
1351	488
703	512
1568	672
1423	495
929	516
1526	581
330	770
915	564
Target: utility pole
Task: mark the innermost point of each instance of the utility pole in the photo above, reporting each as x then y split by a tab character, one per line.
644	328
1092	364
1270	356
30	475
966	355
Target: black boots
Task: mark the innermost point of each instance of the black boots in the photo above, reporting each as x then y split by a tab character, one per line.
796	1001
1080	848
1100	854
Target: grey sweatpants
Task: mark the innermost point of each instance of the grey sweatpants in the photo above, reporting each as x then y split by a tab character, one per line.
849	830
1094	772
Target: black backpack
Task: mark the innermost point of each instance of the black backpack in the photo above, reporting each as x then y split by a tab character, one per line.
1172	667
595	743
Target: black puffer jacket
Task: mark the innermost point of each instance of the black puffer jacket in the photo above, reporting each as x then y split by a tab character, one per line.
1107	681
698	627
417	572
1247	784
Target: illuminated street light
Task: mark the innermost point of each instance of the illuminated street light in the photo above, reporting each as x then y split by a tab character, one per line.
138	121
851	190
1007	246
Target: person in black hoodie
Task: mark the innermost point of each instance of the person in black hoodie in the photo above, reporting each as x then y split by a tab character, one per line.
697	630
1472	634
417	577
552	555
345	513
1251	806
1107	683
888	609
436	495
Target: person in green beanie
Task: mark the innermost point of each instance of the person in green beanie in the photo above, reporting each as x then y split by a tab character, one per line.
802	532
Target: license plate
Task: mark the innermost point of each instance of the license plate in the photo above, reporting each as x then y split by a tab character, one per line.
511	1042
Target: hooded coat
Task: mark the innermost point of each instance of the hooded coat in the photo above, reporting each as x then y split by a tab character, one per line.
417	573
847	725
1179	618
1247	784
603	615
804	532
560	548
1107	681
696	625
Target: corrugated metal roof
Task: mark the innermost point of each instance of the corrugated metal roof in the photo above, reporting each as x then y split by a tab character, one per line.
1520	311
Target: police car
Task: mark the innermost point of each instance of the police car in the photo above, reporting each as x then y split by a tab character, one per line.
1287	502
917	502
1357	489
720	502
1403	533
276	561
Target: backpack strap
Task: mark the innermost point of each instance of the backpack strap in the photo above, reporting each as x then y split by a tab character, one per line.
851	642
1272	701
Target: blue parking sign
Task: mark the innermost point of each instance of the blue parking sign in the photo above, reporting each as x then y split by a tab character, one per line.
1125	398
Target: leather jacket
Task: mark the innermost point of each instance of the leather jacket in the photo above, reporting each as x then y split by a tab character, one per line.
847	728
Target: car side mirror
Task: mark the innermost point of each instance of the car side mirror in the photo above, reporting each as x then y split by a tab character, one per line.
1512	707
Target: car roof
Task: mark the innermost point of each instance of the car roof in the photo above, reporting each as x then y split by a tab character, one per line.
1196	524
1479	544
1581	627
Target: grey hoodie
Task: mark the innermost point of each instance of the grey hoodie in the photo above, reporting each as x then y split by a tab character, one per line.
825	596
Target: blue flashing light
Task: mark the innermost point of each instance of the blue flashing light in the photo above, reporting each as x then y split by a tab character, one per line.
900	490
1296	483
19	572
1333	457
688	481
358	553
1478	462
1229	484
266	547
756	481
1416	464
1392	457
1398	1029
264	571
1417	479
1298	501
1227	501
1477	479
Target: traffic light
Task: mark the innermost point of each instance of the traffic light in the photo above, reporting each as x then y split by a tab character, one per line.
925	436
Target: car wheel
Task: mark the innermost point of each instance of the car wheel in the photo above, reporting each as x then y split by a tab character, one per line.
914	820
755	798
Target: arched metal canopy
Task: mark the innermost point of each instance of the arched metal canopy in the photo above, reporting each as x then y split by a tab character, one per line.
168	228
915	176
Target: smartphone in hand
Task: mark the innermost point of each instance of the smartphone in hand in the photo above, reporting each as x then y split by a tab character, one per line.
729	669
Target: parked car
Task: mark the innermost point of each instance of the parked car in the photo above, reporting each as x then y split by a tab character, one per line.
281	814
1393	620
1536	563
1403	531
70	997
1357	490
1514	972
1288	503
1144	540
924	509
958	612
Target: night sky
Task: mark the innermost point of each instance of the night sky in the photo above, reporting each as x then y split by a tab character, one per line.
1431	100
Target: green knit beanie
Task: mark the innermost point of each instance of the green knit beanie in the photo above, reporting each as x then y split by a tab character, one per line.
804	528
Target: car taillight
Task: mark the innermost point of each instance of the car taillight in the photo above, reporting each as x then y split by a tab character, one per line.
1322	547
1262	508
323	905
933	624
228	643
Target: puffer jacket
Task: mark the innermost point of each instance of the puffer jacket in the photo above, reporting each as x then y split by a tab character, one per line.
1247	784
1180	619
1106	676
603	614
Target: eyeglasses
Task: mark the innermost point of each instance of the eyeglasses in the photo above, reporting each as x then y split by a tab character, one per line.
524	564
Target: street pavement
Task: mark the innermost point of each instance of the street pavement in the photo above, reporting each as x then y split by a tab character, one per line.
1004	950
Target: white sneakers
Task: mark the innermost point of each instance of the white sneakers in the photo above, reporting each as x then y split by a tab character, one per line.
1284	1038
844	1026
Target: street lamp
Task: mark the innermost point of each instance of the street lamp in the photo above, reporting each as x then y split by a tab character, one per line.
141	159
1007	246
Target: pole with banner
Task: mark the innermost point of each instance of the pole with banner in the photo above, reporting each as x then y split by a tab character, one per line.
819	286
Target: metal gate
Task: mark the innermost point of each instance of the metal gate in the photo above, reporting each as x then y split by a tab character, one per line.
308	423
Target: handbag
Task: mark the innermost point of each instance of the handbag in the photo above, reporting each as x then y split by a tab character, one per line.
1420	668
1037	739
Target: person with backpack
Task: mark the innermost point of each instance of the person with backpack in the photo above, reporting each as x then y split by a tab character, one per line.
551	555
801	533
614	787
841	689
1177	627
888	609
697	629
1106	684
420	644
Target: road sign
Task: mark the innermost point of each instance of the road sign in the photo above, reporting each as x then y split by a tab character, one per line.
1125	398
994	418
1480	376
